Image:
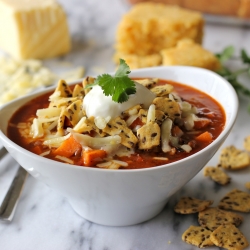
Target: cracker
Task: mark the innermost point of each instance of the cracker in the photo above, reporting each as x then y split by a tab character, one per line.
90	122
119	127
149	136
86	125
197	236
217	175
236	200
162	90
64	89
62	101
230	237
159	116
168	107
190	205
143	115
247	143
74	112
213	217
131	111
148	83
86	81
60	123
78	91
233	158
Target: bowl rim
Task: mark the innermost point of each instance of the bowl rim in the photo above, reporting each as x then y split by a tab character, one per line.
225	131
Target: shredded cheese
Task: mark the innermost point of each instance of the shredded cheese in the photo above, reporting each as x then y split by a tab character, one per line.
96	143
166	135
65	159
151	113
37	129
20	77
56	142
48	112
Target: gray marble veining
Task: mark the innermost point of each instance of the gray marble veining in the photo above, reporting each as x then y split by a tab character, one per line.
45	221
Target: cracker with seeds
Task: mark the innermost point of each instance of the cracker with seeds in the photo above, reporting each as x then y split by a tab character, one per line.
86	81
131	111
159	116
118	126
229	237
236	200
62	101
217	175
64	89
168	107
148	83
190	205
60	123
90	122
162	90
149	135
74	112
197	236
78	91
247	143
233	159
86	125
143	115
213	217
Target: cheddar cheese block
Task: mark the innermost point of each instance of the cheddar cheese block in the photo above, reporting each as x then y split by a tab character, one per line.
33	29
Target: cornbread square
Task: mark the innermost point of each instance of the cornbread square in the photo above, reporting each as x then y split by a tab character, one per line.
33	29
150	27
136	62
244	9
189	53
225	7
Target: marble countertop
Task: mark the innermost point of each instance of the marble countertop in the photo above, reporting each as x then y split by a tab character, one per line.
45	221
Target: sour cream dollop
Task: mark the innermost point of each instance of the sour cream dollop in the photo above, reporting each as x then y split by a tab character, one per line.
96	104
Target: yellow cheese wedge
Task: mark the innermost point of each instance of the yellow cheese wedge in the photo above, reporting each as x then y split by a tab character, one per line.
33	29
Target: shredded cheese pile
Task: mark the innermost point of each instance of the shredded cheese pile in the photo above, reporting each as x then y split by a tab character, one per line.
18	78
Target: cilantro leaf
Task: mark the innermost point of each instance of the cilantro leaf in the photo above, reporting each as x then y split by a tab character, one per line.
119	86
226	54
244	56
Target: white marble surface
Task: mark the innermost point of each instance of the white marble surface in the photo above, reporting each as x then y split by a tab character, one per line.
44	219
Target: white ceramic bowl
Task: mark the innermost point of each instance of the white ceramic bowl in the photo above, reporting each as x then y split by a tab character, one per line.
120	198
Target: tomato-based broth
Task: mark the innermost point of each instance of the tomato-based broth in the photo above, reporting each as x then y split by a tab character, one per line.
140	137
